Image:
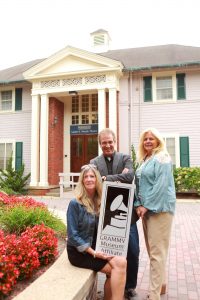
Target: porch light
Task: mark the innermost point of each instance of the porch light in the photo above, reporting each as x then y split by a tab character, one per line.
73	93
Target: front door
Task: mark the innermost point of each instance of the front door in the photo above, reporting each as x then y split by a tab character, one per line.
83	149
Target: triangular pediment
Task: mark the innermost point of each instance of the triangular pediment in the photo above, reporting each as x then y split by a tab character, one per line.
71	60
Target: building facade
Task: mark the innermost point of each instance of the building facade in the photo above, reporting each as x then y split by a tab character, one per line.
51	110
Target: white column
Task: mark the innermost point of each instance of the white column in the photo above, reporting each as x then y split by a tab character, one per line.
113	110
101	111
35	125
44	120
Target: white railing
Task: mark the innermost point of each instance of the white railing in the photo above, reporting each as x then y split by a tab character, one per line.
67	180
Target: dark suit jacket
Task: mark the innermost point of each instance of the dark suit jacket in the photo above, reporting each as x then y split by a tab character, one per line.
120	162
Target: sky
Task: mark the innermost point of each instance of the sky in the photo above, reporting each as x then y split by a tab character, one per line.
36	29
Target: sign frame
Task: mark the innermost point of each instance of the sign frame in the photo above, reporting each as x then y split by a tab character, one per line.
115	218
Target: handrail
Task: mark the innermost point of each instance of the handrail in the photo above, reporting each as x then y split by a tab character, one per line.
67	180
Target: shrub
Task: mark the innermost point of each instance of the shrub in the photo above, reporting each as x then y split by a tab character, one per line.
187	179
44	240
18	218
133	154
24	253
8	270
33	245
18	213
21	255
13	181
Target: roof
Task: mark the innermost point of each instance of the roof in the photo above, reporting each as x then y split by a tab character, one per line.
132	59
14	74
155	56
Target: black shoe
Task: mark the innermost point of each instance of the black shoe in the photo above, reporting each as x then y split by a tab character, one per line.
130	294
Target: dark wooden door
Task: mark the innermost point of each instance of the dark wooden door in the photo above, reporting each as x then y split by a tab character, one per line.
83	149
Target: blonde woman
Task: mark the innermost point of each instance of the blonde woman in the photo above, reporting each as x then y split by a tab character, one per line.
155	204
82	223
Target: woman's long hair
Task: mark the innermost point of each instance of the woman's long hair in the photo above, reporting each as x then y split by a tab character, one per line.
161	143
81	193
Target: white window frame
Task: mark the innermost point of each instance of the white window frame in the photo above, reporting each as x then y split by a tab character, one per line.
89	113
13	142
155	75
177	145
4	89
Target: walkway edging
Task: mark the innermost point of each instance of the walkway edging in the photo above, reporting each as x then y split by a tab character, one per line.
62	281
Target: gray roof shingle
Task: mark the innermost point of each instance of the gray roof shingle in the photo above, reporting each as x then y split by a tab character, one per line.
14	74
132	59
155	56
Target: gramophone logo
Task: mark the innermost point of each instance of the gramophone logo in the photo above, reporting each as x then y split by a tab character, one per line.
115	218
116	212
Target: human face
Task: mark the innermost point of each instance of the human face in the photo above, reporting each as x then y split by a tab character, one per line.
107	144
150	143
89	181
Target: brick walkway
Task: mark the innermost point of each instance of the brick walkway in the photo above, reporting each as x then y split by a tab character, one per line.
183	265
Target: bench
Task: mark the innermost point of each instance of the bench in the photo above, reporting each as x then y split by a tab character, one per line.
67	180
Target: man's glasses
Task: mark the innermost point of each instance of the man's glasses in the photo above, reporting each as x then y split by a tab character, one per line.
89	166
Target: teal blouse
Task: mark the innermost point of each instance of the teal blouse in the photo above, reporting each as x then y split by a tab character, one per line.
154	181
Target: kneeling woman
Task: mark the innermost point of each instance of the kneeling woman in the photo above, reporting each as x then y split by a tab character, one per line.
82	223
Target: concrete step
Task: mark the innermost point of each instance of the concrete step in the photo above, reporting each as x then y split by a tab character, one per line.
56	192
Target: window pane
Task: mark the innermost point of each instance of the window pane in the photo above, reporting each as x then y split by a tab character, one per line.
2	155
170	144
94	118
75	119
75	104
85	119
94	102
6	100
8	152
164	88
85	103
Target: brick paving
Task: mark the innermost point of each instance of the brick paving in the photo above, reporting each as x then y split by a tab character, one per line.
183	264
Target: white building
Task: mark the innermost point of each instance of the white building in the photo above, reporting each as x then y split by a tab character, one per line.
52	109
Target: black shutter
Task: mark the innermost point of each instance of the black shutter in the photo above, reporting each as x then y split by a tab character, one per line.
18	155
147	88
180	79
184	151
18	99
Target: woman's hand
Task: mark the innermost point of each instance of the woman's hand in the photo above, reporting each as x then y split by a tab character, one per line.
141	211
103	255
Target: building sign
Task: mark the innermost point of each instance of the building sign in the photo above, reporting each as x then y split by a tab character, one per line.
115	218
84	129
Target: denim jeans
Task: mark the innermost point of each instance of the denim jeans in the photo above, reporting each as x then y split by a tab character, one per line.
132	258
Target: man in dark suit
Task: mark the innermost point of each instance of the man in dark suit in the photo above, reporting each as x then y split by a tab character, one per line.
115	166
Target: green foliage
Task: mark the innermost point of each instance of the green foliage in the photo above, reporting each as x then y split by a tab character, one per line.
17	218
187	179
13	181
135	164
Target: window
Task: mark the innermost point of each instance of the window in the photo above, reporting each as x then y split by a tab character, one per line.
6	150
75	119
172	144
166	88
85	103
94	102
85	109
75	104
85	119
6	100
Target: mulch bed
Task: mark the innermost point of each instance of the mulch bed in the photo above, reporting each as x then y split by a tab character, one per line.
21	285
